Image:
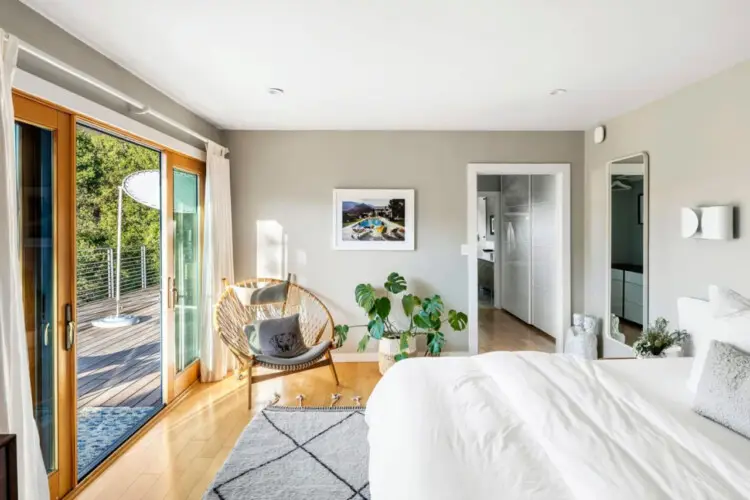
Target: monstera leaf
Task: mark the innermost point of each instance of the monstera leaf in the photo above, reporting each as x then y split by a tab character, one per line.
365	296
382	307
457	320
341	332
422	320
409	303
435	343
376	327
363	343
395	283
402	355
433	305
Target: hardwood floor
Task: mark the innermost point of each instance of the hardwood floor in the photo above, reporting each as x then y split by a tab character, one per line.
500	331
179	456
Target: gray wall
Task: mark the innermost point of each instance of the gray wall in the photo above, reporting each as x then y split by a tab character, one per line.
289	177
697	140
26	24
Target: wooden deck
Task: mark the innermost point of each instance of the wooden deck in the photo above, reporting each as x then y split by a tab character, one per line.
120	366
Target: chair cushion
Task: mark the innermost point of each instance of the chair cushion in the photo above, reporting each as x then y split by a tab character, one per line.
276	337
273	294
311	355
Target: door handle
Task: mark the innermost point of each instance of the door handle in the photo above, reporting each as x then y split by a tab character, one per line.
70	328
175	296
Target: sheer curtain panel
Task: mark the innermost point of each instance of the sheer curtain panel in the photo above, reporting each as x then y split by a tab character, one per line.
16	411
218	261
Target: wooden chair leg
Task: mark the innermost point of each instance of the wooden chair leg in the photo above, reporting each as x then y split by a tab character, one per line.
333	368
250	386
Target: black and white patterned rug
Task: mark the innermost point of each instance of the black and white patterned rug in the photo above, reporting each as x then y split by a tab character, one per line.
297	453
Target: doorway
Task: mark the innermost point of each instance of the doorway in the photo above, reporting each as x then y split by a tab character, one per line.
519	256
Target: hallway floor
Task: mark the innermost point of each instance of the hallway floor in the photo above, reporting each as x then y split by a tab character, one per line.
501	331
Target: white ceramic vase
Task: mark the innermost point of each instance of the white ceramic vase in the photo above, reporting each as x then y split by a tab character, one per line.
387	350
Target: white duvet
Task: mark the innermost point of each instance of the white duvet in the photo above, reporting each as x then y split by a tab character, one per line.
534	426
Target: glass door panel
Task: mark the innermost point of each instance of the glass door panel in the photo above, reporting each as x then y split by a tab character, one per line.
34	154
44	173
118	282
187	268
184	194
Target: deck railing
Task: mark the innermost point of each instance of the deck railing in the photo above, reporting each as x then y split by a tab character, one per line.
96	272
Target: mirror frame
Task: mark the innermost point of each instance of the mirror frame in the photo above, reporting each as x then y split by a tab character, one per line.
607	321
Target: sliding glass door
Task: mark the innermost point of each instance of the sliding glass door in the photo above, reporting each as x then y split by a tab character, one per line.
43	172
110	240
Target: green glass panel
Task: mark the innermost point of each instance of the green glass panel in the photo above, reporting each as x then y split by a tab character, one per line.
36	216
187	267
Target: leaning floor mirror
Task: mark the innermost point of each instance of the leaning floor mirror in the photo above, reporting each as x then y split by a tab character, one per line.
627	255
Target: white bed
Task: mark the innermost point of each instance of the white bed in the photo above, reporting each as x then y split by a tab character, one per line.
538	426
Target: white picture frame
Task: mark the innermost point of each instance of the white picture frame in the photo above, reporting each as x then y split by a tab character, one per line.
364	219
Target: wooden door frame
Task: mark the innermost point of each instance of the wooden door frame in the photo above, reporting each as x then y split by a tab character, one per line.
42	113
39	114
179	382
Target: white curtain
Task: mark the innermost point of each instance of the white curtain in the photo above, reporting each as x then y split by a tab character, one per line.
16	410
218	261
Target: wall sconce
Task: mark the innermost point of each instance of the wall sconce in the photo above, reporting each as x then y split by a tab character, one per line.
708	223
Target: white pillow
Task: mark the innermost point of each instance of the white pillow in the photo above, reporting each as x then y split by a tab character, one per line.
244	293
730	324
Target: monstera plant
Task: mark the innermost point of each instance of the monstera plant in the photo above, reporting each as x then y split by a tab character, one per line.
425	317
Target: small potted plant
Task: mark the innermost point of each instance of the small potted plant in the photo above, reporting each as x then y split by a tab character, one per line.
426	316
656	339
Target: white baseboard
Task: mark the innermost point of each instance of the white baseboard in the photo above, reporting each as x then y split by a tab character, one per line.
365	357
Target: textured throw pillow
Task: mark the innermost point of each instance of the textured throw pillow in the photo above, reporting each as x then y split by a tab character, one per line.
270	294
724	388
276	337
730	323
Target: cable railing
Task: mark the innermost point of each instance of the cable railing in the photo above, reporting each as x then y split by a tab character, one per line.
96	273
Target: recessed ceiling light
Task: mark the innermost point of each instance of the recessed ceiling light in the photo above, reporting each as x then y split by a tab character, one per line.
558	92
275	91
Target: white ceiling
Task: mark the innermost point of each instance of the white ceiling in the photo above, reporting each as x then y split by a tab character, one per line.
412	64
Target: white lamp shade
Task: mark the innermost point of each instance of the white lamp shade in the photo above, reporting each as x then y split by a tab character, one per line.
690	222
717	223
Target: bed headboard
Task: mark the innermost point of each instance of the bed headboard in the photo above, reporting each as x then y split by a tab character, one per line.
694	315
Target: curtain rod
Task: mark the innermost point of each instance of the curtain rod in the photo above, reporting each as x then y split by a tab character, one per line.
136	106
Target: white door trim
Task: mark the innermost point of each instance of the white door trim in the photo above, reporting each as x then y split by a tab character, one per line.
561	171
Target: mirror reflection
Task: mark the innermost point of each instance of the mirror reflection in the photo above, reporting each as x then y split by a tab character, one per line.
628	220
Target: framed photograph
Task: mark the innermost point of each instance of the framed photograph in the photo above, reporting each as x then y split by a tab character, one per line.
373	219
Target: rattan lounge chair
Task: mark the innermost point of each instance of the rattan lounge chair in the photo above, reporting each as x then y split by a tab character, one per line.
231	314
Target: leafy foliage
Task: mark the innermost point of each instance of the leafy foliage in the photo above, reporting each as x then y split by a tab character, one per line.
409	302
395	283
425	317
102	162
365	296
341	333
657	338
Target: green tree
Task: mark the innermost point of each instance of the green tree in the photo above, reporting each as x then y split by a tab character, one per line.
103	161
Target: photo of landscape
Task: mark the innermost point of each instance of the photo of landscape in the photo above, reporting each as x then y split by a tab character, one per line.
373	220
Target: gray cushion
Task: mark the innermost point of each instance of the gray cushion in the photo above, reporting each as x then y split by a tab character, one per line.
270	294
277	337
312	354
724	388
